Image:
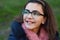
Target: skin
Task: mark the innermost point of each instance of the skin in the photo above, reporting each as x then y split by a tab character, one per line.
37	21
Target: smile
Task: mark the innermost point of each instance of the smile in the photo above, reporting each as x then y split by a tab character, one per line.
30	22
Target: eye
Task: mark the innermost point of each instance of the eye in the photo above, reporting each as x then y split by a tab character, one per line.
25	12
36	13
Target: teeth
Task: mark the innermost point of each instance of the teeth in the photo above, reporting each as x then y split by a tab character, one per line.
29	22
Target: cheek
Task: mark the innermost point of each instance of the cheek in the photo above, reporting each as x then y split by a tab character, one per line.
38	21
24	17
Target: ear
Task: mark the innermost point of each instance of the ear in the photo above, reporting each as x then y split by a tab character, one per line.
43	20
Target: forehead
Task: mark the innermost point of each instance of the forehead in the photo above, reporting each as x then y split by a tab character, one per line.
34	6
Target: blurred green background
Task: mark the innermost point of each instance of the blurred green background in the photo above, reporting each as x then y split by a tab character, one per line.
11	8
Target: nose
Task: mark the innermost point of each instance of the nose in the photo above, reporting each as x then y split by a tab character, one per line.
29	16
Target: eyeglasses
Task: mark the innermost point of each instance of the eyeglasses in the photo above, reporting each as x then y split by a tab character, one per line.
34	13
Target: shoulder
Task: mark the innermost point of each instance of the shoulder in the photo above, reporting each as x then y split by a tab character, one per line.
17	29
15	23
17	32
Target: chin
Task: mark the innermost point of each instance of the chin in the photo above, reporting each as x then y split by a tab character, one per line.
30	27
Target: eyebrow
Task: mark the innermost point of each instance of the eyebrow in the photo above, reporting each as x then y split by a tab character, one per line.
32	11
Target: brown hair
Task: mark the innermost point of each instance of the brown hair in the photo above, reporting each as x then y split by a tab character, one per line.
50	24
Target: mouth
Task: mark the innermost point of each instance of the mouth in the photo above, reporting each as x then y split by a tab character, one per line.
30	22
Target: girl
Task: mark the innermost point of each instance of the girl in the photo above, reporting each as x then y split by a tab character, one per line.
36	23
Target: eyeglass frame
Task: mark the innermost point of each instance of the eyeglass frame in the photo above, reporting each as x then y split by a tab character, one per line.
39	14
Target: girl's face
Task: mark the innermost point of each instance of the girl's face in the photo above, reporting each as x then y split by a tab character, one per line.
33	15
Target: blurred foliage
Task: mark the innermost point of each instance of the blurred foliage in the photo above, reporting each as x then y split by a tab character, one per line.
11	8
